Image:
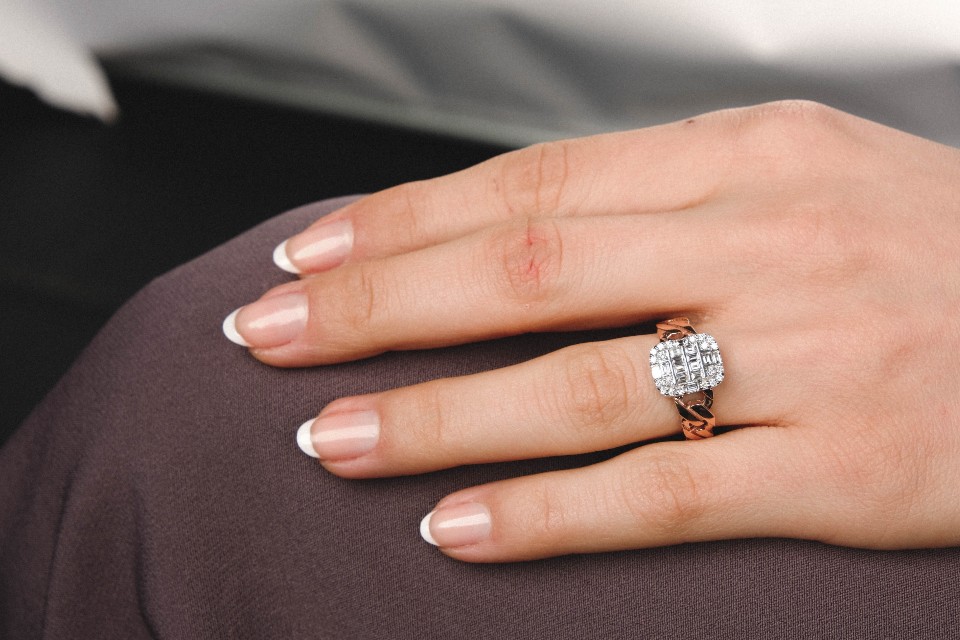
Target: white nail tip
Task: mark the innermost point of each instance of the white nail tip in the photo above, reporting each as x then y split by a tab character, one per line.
230	329
281	259
425	530
304	440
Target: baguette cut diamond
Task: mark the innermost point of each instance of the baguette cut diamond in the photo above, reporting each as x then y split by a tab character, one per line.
689	365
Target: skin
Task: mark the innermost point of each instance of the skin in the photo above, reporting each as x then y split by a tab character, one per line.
819	249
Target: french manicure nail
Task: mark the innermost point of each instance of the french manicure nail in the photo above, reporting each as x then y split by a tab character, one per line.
270	322
230	329
339	436
457	525
322	247
281	259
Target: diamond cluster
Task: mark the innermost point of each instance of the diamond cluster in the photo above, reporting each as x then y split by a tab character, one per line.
688	365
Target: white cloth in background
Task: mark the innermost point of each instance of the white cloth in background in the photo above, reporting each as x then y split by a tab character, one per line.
36	51
517	71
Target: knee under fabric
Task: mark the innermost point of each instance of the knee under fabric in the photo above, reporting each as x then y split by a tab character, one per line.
158	492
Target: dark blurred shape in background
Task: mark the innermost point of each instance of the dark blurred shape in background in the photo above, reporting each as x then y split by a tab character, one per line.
90	213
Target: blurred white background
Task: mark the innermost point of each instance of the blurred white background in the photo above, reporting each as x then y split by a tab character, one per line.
509	71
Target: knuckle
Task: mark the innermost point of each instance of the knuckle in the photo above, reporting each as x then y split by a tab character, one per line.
364	307
532	181
882	476
785	138
786	118
526	257
805	229
551	519
663	494
595	386
411	199
819	234
816	234
543	517
806	111
434	429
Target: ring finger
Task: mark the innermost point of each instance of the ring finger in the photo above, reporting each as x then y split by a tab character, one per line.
583	398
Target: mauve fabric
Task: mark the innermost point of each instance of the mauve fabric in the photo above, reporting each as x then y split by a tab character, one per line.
158	492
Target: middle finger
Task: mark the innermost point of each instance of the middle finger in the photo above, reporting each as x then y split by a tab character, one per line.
535	275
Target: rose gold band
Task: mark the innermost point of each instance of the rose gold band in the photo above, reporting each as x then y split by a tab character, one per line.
696	418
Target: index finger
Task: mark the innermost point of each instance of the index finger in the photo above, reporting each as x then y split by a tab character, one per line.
663	168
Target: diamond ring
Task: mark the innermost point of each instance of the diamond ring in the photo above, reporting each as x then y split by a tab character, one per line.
686	366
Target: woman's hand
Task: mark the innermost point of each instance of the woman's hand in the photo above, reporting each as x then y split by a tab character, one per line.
819	249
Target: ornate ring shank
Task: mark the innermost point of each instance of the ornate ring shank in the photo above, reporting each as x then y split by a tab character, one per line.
686	365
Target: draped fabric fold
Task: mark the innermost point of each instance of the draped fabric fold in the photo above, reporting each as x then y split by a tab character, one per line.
517	71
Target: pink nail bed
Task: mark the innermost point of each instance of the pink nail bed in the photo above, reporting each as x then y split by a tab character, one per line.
340	436
322	247
272	322
457	525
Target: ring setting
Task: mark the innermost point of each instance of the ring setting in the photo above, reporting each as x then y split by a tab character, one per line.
686	366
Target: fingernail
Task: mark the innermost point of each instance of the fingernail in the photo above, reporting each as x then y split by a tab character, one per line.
457	525
281	259
268	323
339	436
230	329
322	247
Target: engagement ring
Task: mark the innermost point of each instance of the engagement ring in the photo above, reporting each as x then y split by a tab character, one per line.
686	366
